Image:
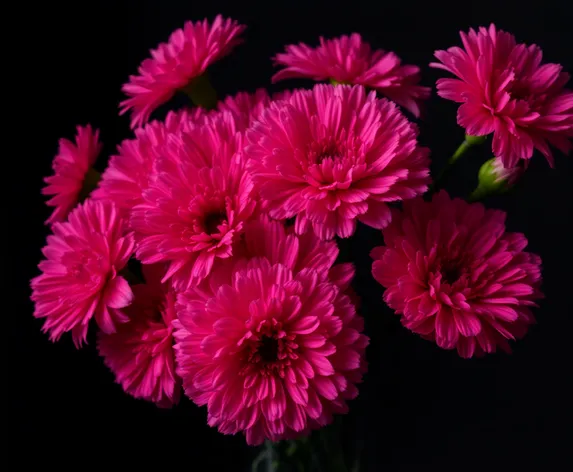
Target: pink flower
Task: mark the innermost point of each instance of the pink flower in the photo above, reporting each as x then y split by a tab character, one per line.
456	276
173	65
194	209
71	165
332	155
129	171
505	90
140	353
272	345
245	107
349	60
80	277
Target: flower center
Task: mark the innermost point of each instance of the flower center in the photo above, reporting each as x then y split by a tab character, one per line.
329	151
213	220
520	91
268	349
324	149
451	271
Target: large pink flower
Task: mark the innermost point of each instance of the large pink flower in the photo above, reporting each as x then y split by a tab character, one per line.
350	60
456	276
505	90
332	155
71	166
272	344
80	277
194	209
140	353
173	65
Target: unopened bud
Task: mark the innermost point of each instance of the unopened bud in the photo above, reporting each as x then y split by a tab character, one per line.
494	178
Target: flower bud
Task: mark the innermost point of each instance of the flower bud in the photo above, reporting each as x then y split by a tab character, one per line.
494	178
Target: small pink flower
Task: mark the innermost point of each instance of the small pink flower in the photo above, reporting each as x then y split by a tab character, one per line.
245	107
173	65
140	353
272	345
350	60
456	276
80	277
334	155
193	211
506	90
71	165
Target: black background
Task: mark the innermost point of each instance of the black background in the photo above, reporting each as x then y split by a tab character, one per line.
420	407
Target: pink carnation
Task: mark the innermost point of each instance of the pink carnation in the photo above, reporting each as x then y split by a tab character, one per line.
350	60
140	353
505	90
173	65
332	155
193	211
71	166
272	345
80	277
456	276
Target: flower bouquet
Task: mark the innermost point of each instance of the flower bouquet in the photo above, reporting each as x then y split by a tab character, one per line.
211	254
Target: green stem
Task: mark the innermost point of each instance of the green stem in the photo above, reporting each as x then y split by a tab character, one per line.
201	92
270	456
91	180
469	142
478	194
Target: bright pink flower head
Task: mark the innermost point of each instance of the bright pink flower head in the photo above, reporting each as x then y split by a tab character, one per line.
272	345
80	277
456	276
194	209
71	165
173	65
505	90
349	60
129	171
332	155
140	353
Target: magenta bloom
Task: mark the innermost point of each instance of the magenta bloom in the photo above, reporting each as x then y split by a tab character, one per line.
80	277
71	165
332	155
128	172
245	107
273	349
349	60
505	90
456	276
140	353
194	209
173	65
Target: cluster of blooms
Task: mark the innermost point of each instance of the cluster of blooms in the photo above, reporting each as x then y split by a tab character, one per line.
231	213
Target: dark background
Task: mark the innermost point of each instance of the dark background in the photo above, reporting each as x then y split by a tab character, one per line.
420	408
